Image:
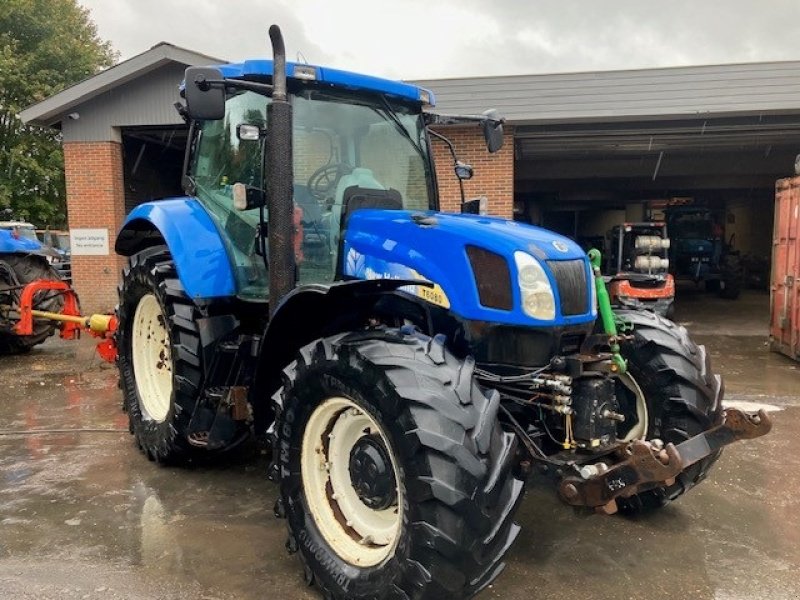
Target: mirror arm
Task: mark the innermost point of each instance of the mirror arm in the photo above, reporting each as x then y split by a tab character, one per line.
437	119
452	149
184	114
237	84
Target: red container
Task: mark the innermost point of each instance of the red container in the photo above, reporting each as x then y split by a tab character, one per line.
784	328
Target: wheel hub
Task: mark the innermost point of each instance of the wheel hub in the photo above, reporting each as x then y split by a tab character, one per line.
371	473
351	482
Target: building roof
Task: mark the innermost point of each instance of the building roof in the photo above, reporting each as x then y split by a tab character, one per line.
50	111
602	96
674	92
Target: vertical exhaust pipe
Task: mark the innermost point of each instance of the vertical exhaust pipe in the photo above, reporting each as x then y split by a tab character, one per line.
279	179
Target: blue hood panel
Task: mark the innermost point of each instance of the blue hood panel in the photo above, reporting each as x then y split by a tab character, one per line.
432	246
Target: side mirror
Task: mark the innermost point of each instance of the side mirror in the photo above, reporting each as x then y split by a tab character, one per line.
205	93
463	170
493	130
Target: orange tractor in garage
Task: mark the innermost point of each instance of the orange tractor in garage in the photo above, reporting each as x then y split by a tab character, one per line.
638	265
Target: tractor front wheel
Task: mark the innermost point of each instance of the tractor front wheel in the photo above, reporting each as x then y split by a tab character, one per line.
396	476
683	397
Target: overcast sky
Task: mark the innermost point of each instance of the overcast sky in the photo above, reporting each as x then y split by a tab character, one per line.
422	39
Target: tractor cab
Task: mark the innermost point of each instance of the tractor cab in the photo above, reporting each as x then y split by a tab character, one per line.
351	148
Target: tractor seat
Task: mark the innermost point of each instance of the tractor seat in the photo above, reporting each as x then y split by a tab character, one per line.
356	197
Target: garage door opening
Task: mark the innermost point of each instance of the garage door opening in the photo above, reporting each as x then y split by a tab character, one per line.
153	160
581	180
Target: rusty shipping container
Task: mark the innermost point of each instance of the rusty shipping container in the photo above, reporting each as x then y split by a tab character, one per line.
784	327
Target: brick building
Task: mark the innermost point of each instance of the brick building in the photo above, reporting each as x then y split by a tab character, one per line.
583	151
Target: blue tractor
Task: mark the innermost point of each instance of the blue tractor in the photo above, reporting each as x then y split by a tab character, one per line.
409	369
24	260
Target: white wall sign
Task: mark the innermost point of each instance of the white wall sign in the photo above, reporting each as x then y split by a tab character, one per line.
89	242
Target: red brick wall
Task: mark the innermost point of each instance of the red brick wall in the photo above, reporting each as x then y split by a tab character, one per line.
494	173
95	199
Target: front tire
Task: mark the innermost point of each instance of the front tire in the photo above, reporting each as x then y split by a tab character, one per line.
682	394
451	496
159	360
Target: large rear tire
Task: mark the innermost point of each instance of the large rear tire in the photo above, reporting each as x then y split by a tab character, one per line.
442	519
160	363
27	268
732	277
682	394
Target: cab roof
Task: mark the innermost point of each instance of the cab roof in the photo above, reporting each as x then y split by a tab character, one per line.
334	77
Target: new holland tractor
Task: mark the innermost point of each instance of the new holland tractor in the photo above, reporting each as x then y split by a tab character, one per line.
409	369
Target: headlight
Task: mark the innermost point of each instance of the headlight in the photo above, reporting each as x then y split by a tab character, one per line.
536	292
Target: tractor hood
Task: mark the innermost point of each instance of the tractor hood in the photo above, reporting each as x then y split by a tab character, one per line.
695	246
436	247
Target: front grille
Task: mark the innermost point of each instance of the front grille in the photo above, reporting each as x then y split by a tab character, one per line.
570	276
492	278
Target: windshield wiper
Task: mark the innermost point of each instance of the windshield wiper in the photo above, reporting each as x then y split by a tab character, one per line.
390	112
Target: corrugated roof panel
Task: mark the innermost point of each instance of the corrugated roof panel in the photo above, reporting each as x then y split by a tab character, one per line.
642	93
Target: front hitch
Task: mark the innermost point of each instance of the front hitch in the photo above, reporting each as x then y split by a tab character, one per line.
644	464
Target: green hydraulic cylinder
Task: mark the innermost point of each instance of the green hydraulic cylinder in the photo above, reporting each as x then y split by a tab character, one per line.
606	312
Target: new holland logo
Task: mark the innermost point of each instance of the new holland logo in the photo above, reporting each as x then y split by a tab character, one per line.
560	246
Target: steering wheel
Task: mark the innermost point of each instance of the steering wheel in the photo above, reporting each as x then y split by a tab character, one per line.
324	180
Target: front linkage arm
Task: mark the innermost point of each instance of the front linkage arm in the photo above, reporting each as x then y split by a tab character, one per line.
647	463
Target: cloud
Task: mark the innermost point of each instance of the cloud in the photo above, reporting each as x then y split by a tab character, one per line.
417	39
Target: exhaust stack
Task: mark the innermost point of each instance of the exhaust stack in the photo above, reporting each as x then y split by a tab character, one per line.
279	178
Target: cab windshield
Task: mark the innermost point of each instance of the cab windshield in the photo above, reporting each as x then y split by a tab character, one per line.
343	144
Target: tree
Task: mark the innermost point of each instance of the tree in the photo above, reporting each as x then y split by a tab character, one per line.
45	46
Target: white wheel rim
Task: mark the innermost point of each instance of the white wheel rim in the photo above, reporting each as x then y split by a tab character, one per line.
359	534
152	359
638	431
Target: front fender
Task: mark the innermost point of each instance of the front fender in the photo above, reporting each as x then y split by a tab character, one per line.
307	313
192	238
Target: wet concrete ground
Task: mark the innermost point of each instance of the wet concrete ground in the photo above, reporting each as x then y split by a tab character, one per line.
84	515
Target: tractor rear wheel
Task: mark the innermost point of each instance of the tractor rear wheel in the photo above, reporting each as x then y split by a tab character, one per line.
21	269
396	476
159	361
732	276
682	395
